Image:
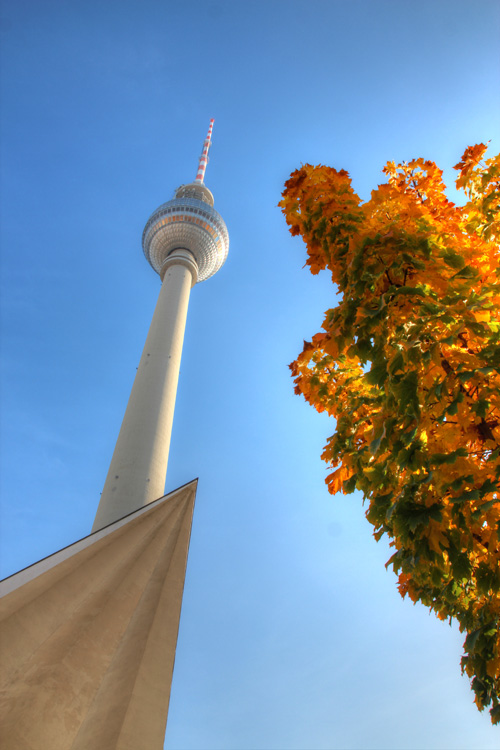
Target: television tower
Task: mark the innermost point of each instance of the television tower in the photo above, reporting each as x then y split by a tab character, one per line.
185	240
88	635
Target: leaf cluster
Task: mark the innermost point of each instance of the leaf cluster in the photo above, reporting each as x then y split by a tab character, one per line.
408	364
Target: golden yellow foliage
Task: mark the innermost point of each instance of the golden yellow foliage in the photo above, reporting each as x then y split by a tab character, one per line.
408	364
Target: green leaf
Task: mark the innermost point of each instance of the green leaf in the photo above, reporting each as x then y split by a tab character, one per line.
415	515
487	579
481	407
471	640
375	444
453	259
466	375
377	374
468	272
411	291
396	363
447	458
406	391
395	560
372	313
349	485
489	486
466	497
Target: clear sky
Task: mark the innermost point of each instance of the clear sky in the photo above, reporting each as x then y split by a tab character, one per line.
293	634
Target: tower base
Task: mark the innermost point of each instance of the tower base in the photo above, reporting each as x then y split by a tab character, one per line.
88	635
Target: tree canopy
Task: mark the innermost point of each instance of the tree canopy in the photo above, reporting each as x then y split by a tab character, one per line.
408	364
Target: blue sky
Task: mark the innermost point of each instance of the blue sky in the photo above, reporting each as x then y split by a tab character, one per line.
293	634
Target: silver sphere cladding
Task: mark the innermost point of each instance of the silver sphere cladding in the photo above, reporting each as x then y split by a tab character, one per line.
191	224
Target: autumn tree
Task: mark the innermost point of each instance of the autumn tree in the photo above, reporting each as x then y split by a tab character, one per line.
408	364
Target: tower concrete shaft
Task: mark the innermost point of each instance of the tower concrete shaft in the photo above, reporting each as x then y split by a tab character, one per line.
138	468
185	240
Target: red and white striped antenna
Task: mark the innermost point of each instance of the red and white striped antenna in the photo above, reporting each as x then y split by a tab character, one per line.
204	155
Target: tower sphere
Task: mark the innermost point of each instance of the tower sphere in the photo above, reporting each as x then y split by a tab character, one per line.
187	222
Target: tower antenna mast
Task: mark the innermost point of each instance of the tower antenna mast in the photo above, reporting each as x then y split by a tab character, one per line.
202	165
